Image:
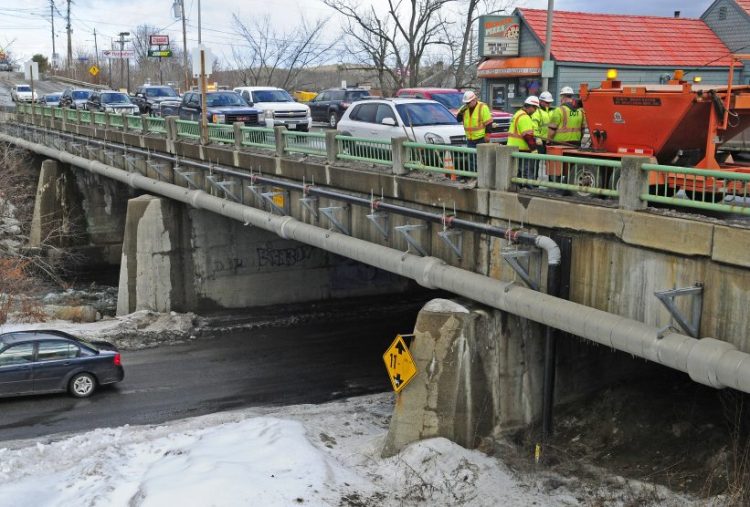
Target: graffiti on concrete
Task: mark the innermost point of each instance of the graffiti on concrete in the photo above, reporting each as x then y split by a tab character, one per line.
283	257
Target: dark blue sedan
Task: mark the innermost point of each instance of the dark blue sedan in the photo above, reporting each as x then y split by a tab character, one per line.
45	361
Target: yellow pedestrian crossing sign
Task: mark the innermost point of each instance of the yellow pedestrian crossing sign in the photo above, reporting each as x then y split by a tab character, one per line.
94	70
399	363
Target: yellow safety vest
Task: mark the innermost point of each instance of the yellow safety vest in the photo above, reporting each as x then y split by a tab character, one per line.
520	125
569	123
474	121
541	119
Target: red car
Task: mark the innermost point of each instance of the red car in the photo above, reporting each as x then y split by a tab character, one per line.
452	99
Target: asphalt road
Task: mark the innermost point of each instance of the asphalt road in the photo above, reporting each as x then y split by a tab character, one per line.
8	79
312	363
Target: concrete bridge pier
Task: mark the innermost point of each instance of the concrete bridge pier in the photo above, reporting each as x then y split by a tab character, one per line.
175	257
79	212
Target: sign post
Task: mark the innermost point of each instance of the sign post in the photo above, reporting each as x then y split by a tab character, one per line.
31	71
399	363
204	119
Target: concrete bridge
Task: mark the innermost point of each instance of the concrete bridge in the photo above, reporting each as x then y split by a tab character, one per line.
242	223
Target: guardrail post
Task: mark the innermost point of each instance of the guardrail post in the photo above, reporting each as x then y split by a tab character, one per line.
238	134
64	119
170	126
331	146
92	119
400	156
505	168
107	122
144	123
486	161
278	133
124	122
633	182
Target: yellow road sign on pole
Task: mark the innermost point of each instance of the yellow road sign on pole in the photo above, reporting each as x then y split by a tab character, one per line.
399	363
94	70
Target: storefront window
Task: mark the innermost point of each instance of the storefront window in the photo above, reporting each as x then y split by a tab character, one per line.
529	86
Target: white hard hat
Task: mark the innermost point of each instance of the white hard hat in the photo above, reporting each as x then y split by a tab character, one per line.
469	96
567	90
546	97
531	100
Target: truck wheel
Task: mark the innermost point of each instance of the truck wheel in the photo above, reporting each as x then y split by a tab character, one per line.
333	119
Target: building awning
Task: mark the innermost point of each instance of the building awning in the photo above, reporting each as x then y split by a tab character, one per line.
510	67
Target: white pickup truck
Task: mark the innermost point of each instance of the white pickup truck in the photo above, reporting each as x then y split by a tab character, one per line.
277	106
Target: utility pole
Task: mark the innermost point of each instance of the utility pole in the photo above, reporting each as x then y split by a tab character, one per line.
52	19
122	42
184	46
109	60
96	49
70	46
199	22
548	41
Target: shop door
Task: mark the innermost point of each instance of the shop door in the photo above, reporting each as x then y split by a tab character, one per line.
499	96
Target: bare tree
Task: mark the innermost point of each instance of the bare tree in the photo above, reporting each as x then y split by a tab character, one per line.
277	58
397	41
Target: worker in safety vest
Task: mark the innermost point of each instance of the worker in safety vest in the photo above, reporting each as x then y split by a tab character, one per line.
568	121
476	117
541	119
521	133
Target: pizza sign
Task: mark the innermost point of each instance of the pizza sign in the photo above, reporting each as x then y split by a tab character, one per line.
499	35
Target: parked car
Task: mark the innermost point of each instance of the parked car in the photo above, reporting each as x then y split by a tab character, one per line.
22	93
111	102
51	99
277	107
423	121
149	98
452	99
329	105
6	66
35	362
75	98
221	107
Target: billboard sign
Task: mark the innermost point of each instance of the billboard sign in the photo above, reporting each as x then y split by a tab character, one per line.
158	40
499	35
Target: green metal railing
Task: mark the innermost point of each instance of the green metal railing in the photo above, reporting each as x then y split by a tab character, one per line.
58	113
723	191
115	120
71	115
100	118
48	111
311	143
443	159
221	133
85	116
364	150
584	176
156	125
260	137
134	122
188	129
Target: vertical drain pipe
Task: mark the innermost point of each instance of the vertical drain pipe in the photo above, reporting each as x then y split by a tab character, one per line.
554	258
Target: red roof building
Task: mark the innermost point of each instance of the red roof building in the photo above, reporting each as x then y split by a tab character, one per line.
644	49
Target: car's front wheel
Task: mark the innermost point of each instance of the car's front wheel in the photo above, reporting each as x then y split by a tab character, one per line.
82	385
333	119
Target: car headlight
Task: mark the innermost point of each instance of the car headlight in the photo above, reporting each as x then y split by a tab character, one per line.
433	138
218	118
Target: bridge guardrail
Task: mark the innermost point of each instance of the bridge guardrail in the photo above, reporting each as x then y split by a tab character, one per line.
310	143
722	191
581	175
364	150
442	159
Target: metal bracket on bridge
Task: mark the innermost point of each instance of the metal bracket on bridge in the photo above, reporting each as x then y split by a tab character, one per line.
223	186
380	221
158	167
110	156
692	324
406	231
187	176
275	208
330	213
511	257
130	163
457	245
257	191
311	204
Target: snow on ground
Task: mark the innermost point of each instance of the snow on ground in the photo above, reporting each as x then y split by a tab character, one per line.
315	455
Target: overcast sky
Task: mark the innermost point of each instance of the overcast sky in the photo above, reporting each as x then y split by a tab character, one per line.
25	24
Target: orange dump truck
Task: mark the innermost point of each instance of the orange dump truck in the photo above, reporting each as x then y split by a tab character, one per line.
678	124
